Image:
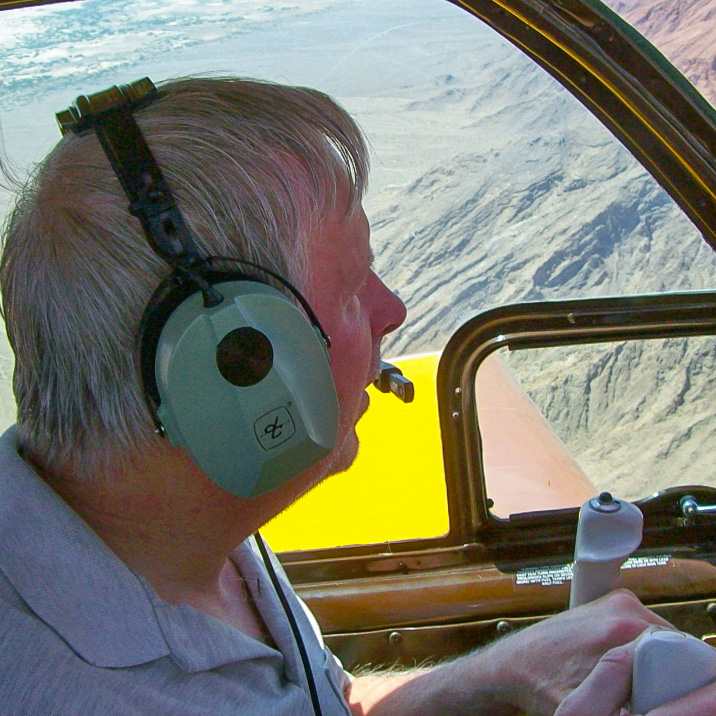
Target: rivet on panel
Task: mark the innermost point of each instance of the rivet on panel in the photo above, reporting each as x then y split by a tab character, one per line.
395	638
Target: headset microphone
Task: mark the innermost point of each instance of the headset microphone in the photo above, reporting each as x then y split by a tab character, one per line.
235	370
392	380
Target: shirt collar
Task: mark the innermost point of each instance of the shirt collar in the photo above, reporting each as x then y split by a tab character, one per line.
68	577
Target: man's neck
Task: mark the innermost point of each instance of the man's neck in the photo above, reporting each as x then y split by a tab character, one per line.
165	519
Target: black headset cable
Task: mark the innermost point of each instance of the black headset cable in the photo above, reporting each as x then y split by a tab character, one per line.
292	621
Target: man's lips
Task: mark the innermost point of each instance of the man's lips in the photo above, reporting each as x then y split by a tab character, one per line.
375	372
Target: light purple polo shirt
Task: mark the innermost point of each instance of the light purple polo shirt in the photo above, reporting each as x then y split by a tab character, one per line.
83	635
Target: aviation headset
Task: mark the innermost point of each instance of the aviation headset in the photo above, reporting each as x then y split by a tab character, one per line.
232	369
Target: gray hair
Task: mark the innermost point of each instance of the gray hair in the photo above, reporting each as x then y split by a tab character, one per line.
254	166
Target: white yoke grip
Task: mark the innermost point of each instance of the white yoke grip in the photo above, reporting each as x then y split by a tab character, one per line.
608	531
669	664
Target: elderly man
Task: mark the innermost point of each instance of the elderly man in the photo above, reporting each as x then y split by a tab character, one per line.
131	580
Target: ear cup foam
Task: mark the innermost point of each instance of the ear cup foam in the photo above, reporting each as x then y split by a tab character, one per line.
244	386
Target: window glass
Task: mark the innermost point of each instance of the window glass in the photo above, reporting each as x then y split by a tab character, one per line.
490	185
629	417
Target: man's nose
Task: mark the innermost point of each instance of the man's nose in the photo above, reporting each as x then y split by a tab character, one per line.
391	309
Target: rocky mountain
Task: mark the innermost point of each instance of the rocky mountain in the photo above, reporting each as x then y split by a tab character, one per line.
683	30
516	193
638	415
523	196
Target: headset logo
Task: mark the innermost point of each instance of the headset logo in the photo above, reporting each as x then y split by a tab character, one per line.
274	428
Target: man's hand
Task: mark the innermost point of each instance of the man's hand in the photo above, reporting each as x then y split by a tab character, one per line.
531	671
608	687
548	660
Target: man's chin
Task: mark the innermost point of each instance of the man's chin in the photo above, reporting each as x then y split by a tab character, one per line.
343	455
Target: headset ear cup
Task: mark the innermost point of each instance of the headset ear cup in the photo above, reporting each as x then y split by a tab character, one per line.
165	299
244	386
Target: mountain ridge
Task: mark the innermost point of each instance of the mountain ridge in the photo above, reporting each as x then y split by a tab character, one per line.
684	30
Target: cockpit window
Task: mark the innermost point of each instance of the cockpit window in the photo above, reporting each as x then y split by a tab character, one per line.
630	417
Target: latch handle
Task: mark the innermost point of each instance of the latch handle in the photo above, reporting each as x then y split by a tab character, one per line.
690	508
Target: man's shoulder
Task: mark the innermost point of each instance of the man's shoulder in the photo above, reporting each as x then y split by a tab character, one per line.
37	665
43	676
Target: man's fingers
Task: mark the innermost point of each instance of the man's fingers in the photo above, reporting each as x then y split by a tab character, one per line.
701	702
626	616
606	689
625	601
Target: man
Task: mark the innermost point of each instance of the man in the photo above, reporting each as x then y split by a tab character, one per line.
131	583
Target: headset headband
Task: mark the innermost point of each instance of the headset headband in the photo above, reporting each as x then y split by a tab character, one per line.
110	114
